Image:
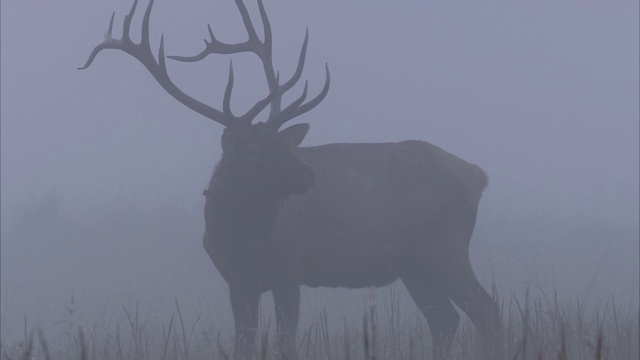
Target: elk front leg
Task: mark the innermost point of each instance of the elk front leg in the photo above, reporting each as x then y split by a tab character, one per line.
244	304
287	302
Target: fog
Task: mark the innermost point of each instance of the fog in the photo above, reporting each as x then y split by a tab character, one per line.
102	171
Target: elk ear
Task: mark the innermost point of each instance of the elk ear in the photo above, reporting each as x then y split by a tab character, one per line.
294	134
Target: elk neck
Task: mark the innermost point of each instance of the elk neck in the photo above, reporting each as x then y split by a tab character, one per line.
240	208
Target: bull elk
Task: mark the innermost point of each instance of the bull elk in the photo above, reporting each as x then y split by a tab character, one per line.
338	215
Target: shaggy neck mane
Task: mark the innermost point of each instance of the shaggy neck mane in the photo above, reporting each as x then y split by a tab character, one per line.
240	209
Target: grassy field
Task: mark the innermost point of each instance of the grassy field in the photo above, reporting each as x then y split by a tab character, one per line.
535	328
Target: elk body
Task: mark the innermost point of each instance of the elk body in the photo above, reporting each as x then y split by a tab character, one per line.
340	215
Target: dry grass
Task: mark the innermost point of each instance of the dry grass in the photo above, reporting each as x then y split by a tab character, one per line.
541	328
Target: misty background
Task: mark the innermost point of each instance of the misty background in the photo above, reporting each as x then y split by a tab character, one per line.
102	171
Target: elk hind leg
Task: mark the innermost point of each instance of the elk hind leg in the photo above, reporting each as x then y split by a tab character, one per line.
436	307
484	311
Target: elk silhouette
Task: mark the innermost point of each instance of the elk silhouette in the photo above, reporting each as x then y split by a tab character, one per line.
339	215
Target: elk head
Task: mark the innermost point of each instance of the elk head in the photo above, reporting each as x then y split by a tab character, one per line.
256	153
250	150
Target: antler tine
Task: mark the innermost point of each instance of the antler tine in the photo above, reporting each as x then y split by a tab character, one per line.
108	40
214	46
279	119
266	26
144	41
263	49
246	19
253	112
267	59
300	67
126	25
161	62
226	101
253	43
276	113
142	52
276	104
301	109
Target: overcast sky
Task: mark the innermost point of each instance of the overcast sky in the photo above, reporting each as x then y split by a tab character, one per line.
543	95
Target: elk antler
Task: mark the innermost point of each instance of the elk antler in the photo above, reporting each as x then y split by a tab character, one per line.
263	49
